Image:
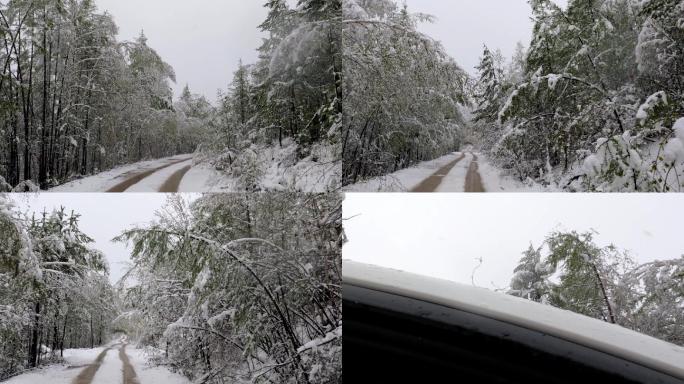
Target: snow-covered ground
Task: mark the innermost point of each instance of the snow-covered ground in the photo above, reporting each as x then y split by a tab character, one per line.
278	167
110	372
149	374
493	178
74	359
104	181
319	172
203	177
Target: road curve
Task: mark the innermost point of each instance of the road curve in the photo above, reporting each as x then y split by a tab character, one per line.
171	185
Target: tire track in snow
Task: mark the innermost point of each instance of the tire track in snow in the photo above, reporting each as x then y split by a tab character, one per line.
129	375
433	182
136	178
473	182
86	376
173	183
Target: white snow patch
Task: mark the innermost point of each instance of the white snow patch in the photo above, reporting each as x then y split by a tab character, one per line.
152	374
59	373
495	179
656	99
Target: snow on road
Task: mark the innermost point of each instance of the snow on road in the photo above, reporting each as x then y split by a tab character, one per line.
493	178
155	181
455	180
111	369
110	372
103	182
405	179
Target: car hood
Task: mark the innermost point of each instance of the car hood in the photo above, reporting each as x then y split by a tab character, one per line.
608	338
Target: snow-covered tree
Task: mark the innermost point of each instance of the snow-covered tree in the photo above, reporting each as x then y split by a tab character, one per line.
492	87
403	93
242	287
572	272
56	293
530	279
74	100
651	297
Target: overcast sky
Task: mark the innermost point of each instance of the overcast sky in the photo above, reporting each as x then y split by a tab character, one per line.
202	39
442	235
103	217
463	26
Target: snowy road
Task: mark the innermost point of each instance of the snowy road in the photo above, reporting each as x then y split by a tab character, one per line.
461	175
108	365
455	172
473	183
434	181
162	175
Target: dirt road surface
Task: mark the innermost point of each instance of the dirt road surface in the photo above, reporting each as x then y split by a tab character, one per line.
433	182
171	185
473	182
86	375
129	376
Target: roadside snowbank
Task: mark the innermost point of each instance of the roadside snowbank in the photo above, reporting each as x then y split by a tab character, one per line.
495	180
152	374
74	362
269	168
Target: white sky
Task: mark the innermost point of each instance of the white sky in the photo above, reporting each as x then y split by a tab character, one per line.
463	26
442	235
202	39
103	217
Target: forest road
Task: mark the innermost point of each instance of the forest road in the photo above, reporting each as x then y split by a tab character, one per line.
173	183
433	182
473	182
170	185
88	374
129	375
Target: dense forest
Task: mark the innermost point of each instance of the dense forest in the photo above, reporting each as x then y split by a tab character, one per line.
570	271
74	100
241	288
594	103
600	100
228	288
55	291
278	124
404	95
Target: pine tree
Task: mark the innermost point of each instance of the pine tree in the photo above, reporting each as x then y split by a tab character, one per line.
492	87
530	277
